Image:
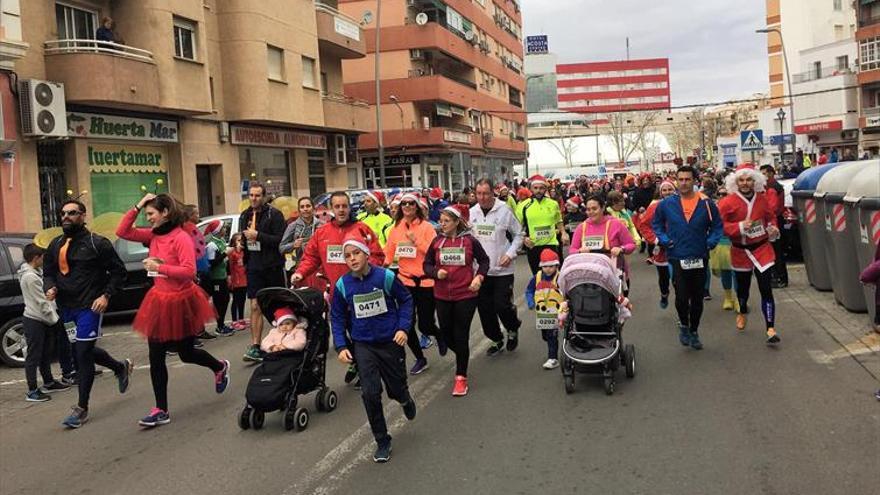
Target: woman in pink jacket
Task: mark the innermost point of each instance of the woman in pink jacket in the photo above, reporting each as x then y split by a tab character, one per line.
603	233
175	309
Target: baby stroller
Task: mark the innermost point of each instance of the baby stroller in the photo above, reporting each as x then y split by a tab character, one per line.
282	376
592	339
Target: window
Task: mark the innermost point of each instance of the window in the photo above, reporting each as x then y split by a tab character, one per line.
838	5
184	38
817	70
317	180
325	88
74	23
308	76
843	62
275	63
838	32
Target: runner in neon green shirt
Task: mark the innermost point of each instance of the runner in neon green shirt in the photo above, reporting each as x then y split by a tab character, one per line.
542	222
374	217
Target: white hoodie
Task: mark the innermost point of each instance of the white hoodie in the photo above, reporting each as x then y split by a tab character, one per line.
492	229
36	306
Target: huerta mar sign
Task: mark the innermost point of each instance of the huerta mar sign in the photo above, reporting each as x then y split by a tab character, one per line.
93	125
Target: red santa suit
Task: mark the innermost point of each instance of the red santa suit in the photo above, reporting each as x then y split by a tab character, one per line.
658	257
746	222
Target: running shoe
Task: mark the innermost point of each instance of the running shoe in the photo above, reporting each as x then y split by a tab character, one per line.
206	335
225	331
70	380
684	335
409	409
54	386
772	337
442	348
124	378
156	417
877	394
695	341
237	325
707	296
198	344
664	302
740	322
221	378
419	366
383	453
78	417
357	384
351	373
550	364
461	386
512	340
495	349
253	354
37	395
425	341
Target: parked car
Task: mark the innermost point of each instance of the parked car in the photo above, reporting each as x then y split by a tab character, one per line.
13	347
789	225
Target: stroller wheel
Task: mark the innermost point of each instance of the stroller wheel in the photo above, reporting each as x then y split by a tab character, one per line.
288	419
301	419
244	419
569	383
330	401
257	419
609	386
630	363
321	399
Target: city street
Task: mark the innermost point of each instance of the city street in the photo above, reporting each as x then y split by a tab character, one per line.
737	417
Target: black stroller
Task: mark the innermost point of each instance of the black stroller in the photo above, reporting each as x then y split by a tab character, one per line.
592	341
282	376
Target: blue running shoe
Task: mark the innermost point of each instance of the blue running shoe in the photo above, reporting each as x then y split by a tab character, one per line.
695	342
225	331
156	417
221	378
684	335
425	341
78	417
420	366
383	453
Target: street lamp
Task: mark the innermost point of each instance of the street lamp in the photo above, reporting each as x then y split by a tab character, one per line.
787	74
781	116
376	52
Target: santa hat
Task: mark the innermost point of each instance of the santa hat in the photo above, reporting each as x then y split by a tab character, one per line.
396	200
435	193
410	196
574	201
747	169
213	227
357	242
665	182
537	179
501	187
549	258
523	194
376	196
282	315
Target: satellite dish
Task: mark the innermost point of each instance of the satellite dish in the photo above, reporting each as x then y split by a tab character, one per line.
469	35
367	17
422	19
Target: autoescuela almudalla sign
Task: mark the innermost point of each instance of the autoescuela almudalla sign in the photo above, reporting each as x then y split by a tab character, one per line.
277	138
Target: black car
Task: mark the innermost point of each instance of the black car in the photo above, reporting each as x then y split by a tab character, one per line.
12	344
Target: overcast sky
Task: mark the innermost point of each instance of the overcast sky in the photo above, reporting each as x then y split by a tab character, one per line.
714	53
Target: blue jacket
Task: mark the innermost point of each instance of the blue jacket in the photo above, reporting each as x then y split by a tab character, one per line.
436	208
687	240
374	329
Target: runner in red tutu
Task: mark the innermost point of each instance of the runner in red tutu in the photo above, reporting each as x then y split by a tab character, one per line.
175	309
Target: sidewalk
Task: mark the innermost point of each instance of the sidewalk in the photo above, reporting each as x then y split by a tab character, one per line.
853	331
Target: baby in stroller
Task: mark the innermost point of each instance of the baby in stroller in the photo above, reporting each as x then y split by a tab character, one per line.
288	334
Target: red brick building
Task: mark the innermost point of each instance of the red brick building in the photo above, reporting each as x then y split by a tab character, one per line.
618	86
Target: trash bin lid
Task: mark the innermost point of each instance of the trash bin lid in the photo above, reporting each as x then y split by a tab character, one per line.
866	183
808	179
837	181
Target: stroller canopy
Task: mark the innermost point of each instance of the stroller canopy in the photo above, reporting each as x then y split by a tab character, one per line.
589	268
305	302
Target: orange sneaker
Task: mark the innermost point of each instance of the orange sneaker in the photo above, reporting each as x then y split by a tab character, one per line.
461	387
740	322
772	337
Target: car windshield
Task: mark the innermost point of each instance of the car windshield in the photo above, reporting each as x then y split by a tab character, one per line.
130	251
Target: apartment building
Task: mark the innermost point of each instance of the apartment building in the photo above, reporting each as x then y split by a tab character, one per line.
196	97
452	86
868	38
616	86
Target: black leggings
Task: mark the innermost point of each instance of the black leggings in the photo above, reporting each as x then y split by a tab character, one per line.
220	296
239	297
87	355
423	315
663	279
689	294
455	323
187	353
768	304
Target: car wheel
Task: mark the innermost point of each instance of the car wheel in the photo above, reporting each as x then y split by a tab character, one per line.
13	347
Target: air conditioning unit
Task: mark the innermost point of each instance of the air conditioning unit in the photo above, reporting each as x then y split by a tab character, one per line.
426	123
43	109
416	54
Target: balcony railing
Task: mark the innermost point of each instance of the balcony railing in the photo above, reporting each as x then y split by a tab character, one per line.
95	46
340	98
871	111
429	72
813	75
325	7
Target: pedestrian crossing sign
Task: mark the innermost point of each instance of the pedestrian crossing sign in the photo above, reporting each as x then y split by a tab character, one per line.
751	140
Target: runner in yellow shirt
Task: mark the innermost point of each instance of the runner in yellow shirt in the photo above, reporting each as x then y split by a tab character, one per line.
542	222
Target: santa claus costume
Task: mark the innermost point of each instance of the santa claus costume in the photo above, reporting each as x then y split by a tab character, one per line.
750	223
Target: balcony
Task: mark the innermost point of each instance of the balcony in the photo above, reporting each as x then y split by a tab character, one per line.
104	73
813	75
338	34
435	137
347	114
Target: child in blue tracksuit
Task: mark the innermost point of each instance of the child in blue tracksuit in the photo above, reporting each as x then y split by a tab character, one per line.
369	315
543	296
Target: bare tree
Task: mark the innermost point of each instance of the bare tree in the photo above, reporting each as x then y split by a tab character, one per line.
564	143
628	130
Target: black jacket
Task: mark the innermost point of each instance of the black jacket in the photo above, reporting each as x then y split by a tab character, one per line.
95	270
642	198
270	229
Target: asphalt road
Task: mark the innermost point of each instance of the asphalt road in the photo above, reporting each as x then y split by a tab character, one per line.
737	417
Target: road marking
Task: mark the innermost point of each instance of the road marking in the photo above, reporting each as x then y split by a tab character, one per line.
329	468
851	350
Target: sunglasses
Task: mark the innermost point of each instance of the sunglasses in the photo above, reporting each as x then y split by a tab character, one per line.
408	203
70	213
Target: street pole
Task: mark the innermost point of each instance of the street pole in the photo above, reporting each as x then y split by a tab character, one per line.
379	97
781	140
788	79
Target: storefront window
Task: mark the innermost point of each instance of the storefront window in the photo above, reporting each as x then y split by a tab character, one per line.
271	166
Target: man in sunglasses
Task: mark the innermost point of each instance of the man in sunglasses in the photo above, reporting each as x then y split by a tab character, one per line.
82	272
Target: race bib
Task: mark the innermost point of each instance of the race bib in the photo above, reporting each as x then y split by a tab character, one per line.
70	328
692	264
453	256
485	231
156	275
546	321
594	242
334	255
253	245
755	230
572	226
406	250
369	305
543	233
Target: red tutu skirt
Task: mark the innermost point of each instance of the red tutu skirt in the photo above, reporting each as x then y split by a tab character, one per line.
173	316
